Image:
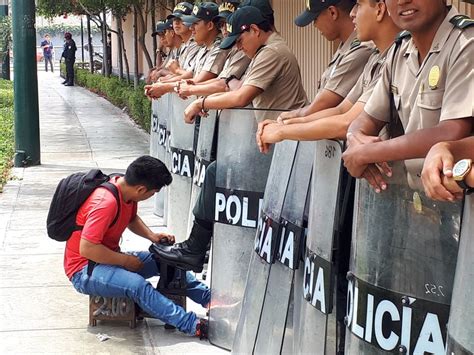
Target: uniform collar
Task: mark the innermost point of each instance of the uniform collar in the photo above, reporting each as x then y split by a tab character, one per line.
344	47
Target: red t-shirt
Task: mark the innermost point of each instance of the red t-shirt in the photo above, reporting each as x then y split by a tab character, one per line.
96	215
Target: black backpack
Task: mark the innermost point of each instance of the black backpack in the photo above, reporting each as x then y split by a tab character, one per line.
70	194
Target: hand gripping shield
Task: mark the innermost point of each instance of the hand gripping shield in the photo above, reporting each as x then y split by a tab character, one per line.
182	168
241	175
403	260
461	325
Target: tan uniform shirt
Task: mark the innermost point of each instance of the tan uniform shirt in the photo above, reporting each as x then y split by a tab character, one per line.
346	66
441	88
236	64
210	59
372	71
274	70
187	54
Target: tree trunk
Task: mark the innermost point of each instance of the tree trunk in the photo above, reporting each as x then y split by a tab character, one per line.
119	47
153	22
135	48
105	50
124	49
141	38
89	45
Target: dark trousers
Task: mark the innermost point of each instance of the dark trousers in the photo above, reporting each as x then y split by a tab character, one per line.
70	71
48	59
205	206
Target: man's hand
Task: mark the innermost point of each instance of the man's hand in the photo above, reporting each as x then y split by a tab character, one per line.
437	174
192	110
185	89
155	91
162	238
268	132
286	115
132	263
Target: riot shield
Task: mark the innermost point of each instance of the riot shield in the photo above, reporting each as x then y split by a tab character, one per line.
241	175
273	318
313	286
403	259
158	138
461	325
182	167
204	155
264	247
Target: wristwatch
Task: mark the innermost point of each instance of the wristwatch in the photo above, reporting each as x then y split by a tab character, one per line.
460	170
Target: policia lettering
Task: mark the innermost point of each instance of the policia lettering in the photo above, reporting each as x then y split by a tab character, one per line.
395	322
237	207
317	282
182	162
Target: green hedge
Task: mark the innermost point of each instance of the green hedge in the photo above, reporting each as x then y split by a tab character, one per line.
119	93
6	127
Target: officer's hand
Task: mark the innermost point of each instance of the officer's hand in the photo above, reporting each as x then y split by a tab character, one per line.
374	177
270	134
185	90
132	263
191	111
285	116
154	91
437	173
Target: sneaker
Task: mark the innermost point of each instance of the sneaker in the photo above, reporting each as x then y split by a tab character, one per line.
202	329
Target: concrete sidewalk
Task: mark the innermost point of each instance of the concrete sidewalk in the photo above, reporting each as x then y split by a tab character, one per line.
40	310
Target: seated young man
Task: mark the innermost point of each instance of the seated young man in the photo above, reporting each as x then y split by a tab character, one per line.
118	274
448	172
373	23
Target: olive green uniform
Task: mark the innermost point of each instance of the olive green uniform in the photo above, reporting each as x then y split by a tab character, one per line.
210	59
236	64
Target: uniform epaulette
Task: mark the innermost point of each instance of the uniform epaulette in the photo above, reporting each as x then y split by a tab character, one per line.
355	43
401	36
462	21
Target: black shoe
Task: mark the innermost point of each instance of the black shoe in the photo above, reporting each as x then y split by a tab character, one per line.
202	329
188	255
64	82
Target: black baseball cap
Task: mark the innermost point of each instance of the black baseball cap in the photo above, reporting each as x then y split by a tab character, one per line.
206	11
263	5
313	9
239	22
227	8
162	26
180	10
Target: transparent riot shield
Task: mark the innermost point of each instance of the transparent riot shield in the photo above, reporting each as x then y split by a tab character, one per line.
461	324
205	154
158	138
273	318
266	241
182	168
313	285
403	259
241	175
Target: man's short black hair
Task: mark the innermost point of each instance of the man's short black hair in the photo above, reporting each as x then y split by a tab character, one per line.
149	172
346	5
265	26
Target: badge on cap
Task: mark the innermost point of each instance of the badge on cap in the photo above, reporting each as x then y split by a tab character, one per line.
433	78
229	27
308	7
195	10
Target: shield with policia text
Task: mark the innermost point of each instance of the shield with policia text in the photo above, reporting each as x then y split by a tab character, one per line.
403	260
461	324
181	166
161	110
265	243
241	175
313	321
205	153
278	290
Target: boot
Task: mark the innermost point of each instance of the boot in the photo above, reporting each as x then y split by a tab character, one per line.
188	255
202	329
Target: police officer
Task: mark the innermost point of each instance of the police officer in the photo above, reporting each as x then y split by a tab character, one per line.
332	19
209	60
428	81
69	55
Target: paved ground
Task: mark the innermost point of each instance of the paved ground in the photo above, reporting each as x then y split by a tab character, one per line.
40	310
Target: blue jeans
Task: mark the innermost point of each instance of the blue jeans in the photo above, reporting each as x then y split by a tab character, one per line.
115	281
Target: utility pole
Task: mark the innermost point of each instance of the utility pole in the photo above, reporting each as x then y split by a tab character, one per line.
5	58
27	133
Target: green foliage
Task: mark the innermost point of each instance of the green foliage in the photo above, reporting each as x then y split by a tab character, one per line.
6	127
119	93
5	34
60	29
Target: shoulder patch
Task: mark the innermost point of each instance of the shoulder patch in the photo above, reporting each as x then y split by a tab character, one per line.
401	36
355	43
462	21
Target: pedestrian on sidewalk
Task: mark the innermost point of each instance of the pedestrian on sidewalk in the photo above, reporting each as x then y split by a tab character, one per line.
48	52
96	266
69	55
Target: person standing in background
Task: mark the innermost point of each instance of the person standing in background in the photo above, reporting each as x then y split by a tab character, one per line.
69	55
48	52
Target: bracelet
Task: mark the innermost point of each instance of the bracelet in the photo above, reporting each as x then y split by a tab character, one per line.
202	104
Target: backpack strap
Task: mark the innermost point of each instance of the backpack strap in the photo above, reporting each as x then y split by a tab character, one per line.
113	189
